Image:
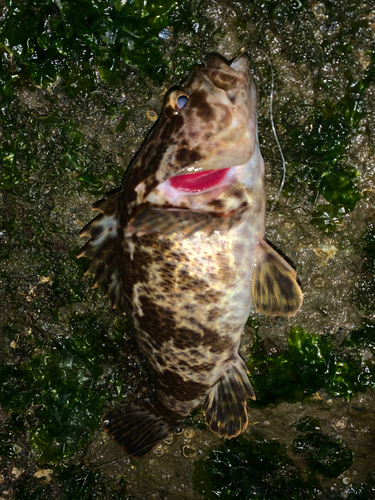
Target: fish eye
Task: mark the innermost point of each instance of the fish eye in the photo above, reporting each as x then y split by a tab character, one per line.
179	99
182	100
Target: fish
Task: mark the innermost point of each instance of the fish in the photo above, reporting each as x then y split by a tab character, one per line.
180	249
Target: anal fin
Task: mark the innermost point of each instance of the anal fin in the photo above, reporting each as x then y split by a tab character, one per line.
136	428
275	289
225	407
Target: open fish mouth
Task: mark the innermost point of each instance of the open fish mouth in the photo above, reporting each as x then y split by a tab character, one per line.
194	189
199	181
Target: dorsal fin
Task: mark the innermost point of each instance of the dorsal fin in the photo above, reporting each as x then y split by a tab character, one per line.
102	248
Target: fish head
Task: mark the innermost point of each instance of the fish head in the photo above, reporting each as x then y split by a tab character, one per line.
208	125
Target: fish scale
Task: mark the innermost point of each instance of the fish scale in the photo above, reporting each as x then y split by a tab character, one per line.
180	249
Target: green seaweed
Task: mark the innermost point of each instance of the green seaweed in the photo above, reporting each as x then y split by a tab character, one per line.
76	484
323	454
363	491
88	485
261	469
290	375
52	149
311	363
322	164
90	38
306	424
317	139
253	468
59	383
362	337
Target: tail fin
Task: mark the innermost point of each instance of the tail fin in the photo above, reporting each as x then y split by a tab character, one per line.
136	429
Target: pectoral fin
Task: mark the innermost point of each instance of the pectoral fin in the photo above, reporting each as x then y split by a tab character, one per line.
165	221
225	407
274	287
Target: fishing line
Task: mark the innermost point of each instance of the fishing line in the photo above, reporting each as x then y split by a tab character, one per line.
240	52
275	134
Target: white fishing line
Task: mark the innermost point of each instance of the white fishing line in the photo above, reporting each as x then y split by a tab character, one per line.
240	52
275	134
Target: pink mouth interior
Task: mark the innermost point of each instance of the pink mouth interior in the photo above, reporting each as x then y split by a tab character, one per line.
198	181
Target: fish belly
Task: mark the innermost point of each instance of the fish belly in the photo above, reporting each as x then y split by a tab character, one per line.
191	305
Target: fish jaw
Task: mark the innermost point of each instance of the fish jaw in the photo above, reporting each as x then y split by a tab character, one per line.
167	192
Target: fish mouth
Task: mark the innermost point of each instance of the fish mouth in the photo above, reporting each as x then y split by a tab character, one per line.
194	189
199	182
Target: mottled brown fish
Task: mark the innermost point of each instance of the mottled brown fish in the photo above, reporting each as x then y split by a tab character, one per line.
180	248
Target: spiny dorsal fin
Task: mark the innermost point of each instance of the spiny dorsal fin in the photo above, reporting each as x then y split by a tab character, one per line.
274	287
225	407
165	221
102	248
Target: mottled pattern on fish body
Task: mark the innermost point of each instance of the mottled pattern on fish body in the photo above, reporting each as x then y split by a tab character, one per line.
190	303
180	248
